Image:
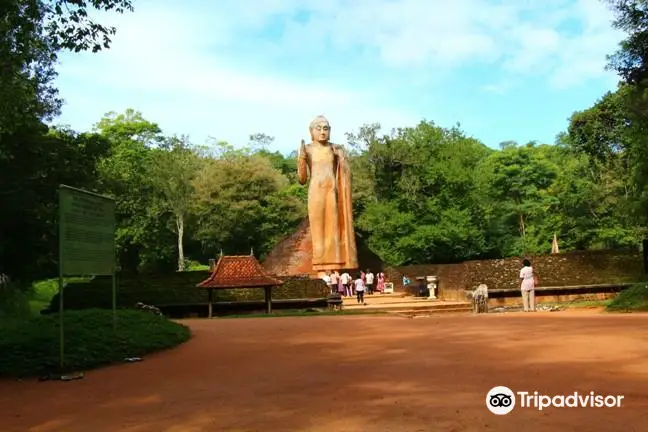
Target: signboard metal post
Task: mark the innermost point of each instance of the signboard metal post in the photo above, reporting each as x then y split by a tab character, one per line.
86	243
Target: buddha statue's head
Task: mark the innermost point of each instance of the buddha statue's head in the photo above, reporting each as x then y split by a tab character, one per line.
320	130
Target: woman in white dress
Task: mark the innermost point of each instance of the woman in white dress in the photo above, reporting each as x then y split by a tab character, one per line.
527	286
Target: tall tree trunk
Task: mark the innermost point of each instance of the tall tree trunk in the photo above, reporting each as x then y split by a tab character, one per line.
180	226
523	231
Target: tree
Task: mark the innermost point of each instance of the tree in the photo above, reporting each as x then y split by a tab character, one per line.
630	61
260	142
601	131
34	159
32	32
243	202
418	188
41	160
589	210
143	239
173	169
608	136
515	182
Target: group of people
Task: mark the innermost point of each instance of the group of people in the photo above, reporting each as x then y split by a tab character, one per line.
348	286
367	282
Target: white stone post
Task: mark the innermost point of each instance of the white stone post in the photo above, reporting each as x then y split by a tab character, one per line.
432	287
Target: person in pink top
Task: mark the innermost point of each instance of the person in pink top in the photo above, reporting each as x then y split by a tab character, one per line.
380	286
341	287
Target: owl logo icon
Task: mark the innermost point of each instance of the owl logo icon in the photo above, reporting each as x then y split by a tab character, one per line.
500	400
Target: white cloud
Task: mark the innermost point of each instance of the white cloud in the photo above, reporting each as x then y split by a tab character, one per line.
583	56
524	36
157	64
500	87
184	92
536	47
174	63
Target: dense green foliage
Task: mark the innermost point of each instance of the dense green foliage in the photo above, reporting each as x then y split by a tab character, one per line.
32	32
33	159
428	194
625	136
421	194
634	298
31	347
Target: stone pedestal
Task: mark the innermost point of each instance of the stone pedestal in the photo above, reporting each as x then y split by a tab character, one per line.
292	256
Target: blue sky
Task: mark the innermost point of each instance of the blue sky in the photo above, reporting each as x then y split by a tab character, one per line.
504	70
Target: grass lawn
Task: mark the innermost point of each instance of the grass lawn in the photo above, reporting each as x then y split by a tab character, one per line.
30	301
30	347
578	304
634	298
42	292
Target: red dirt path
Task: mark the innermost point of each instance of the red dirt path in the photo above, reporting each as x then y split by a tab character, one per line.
354	373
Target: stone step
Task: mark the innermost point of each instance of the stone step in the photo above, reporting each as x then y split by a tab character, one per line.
410	306
389	301
429	312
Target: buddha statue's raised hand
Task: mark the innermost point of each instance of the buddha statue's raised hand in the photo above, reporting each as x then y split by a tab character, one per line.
302	150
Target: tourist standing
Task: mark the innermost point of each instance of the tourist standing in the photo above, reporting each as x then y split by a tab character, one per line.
345	278
335	279
360	289
341	286
527	286
369	280
327	279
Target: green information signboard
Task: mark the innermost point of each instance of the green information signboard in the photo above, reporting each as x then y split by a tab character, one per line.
87	233
86	242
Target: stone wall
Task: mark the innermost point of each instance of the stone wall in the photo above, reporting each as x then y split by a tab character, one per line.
540	298
572	268
292	288
450	276
178	289
564	269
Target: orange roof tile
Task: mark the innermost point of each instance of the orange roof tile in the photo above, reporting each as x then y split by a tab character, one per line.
238	272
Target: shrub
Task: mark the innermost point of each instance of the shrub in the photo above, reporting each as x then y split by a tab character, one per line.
634	298
158	290
42	292
31	347
191	265
14	301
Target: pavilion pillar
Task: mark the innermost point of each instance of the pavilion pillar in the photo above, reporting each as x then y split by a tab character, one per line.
268	299
210	302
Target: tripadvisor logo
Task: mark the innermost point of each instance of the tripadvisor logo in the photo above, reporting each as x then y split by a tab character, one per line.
501	400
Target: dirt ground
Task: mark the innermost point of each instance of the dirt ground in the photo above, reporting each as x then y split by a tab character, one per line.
355	373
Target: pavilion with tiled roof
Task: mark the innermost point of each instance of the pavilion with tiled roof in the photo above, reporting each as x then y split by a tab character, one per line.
239	271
